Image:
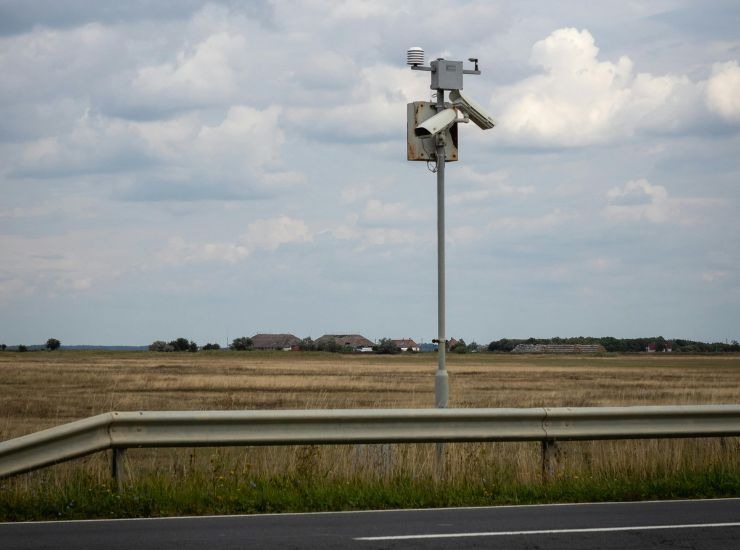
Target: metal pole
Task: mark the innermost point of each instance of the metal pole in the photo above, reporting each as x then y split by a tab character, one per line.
441	390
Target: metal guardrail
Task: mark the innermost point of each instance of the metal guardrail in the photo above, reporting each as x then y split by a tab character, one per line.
121	430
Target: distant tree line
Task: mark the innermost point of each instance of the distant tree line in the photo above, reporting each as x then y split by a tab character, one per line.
623	345
183	344
387	346
330	345
180	344
461	347
51	345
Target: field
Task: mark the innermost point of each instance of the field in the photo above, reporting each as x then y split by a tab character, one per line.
43	389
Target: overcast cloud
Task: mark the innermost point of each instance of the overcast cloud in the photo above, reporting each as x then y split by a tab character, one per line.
216	169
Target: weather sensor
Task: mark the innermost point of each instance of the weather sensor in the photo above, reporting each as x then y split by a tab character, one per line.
415	56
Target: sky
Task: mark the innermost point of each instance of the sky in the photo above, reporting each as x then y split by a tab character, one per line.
211	170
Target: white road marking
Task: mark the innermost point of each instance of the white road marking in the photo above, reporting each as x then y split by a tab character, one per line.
554	531
384	511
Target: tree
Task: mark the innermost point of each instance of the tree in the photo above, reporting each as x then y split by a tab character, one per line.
307	344
158	345
387	347
460	347
209	347
3	347
22	348
181	344
52	344
502	345
241	344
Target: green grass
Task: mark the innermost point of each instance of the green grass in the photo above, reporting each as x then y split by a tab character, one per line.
83	497
221	482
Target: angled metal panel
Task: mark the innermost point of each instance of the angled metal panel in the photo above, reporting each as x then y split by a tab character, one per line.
54	445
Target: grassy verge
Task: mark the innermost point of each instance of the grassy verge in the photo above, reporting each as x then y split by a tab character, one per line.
318	479
85	498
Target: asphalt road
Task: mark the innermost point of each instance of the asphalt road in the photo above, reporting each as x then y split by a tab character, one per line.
705	524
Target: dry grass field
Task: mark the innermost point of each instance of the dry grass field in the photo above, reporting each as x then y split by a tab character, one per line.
43	389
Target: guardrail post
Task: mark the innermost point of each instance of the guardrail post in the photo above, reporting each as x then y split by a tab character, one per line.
117	471
550	453
439	461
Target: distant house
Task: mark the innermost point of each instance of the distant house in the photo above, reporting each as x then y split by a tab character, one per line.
559	348
275	341
355	341
653	347
406	344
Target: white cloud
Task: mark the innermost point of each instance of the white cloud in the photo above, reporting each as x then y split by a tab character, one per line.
531	224
358	192
640	200
578	99
347	230
714	276
264	234
204	74
363	9
228	252
93	144
178	251
377	210
67	263
397	212
356	230
464	234
723	91
373	110
247	138
381	236
13	287
269	234
47	62
241	154
487	184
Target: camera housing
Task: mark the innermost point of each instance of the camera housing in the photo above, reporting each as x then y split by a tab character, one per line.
473	110
437	123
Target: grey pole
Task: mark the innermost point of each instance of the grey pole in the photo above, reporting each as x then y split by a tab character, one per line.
446	75
441	388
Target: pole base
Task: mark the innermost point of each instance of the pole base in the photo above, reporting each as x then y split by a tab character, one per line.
441	389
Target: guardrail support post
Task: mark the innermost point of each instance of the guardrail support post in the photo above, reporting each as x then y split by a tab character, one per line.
439	461
117	471
549	459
